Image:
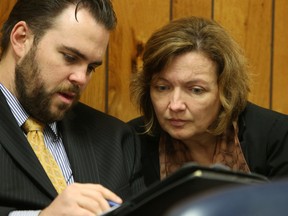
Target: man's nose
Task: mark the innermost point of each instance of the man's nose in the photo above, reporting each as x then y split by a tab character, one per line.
80	76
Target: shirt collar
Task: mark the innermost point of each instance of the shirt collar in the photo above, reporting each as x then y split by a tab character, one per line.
18	111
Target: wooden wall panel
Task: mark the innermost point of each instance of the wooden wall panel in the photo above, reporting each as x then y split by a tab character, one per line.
95	93
182	8
5	8
280	69
249	22
136	21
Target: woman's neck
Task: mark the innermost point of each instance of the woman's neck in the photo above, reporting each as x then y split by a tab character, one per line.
202	150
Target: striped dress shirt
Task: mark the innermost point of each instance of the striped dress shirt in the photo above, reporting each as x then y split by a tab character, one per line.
52	139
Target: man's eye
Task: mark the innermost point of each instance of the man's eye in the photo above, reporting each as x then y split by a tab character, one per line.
69	58
91	69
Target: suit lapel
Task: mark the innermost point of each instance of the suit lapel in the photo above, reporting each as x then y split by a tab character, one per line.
17	146
80	150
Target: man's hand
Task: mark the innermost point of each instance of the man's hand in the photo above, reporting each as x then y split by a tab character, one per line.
81	200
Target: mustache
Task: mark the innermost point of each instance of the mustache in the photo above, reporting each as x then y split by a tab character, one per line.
68	88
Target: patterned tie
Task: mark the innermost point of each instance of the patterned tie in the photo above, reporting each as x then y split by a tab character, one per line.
34	130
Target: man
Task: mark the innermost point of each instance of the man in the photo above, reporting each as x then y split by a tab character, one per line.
49	51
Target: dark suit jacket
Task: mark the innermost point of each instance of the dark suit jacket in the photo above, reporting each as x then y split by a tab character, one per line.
263	135
100	148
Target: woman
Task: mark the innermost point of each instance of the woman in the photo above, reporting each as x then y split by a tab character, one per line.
193	93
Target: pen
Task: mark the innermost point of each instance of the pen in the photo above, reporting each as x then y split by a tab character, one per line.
112	204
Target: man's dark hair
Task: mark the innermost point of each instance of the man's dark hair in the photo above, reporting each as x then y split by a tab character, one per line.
40	14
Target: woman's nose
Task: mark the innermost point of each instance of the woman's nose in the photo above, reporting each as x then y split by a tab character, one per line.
176	102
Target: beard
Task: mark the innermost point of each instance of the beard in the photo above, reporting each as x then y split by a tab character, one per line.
32	94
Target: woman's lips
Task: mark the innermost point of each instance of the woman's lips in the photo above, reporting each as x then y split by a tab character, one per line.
177	122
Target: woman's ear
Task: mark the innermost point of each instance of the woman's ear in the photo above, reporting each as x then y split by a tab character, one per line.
21	39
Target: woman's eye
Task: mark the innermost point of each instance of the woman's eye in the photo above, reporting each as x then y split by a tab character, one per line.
162	87
197	90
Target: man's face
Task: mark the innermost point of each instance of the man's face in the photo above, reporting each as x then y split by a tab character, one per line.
50	78
32	93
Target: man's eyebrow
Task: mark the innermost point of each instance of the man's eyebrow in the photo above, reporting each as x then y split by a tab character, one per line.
82	56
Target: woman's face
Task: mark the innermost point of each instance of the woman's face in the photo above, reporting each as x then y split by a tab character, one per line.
185	96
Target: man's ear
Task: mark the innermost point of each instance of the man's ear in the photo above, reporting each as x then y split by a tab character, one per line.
21	39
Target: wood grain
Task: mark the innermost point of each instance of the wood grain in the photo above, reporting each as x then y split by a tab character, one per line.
95	93
137	21
280	66
250	23
5	8
183	8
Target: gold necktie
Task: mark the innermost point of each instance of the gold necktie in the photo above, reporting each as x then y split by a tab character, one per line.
35	137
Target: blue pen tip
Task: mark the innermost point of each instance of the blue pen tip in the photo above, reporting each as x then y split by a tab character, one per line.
112	204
